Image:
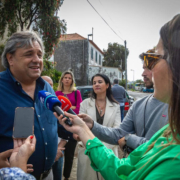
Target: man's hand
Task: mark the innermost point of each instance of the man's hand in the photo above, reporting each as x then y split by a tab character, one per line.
73	107
4	158
76	137
87	119
59	153
122	142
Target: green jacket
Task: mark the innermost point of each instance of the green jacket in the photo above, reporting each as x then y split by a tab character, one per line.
160	162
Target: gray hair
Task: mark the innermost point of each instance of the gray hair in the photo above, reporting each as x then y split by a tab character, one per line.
21	39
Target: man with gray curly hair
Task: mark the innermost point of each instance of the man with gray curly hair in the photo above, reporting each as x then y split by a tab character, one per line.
19	87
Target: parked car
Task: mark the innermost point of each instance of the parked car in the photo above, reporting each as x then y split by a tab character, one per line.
86	93
150	90
130	98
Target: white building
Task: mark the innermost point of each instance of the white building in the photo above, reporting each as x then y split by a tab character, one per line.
111	72
95	56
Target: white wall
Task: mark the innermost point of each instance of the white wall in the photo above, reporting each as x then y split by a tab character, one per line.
111	72
93	61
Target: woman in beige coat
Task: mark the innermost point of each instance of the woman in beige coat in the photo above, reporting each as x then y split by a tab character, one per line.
104	109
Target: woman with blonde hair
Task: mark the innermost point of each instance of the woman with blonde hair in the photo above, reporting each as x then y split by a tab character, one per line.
66	87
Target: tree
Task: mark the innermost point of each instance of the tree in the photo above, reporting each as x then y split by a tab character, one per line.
114	56
1	51
139	81
122	83
40	15
49	70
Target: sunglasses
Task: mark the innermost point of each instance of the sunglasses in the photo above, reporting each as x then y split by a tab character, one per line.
151	59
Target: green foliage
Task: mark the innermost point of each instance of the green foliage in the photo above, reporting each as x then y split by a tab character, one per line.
49	70
114	55
1	49
55	85
139	81
41	15
132	89
122	83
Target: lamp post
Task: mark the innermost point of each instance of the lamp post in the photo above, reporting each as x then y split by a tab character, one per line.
88	57
125	63
133	74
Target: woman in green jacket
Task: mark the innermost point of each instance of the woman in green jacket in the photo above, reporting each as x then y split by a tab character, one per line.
160	157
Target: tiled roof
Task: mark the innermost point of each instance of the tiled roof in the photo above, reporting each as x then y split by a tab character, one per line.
69	37
76	36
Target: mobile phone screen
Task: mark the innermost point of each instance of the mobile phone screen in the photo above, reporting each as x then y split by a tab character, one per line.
23	122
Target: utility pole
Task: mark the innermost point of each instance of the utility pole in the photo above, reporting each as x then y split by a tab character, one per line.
92	33
125	65
88	58
133	74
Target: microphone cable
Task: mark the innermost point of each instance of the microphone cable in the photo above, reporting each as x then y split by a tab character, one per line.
97	175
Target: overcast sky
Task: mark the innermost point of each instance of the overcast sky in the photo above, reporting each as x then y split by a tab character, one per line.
136	21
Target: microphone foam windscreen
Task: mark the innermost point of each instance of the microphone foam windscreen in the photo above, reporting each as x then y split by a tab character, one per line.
48	100
66	104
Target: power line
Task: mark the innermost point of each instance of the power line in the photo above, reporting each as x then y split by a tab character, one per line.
105	10
108	15
104	20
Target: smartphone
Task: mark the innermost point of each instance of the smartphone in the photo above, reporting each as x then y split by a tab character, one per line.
23	122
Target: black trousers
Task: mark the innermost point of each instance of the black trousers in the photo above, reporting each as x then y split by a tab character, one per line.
68	157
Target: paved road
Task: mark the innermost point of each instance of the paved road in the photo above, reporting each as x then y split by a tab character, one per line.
138	95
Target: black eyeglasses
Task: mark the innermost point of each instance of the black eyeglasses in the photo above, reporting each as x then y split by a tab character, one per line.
151	59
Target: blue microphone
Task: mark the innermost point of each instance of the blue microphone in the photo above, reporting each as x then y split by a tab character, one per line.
52	103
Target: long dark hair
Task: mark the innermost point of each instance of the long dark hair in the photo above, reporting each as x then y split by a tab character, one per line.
108	90
170	35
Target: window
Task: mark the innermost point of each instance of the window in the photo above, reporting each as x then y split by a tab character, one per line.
91	53
99	59
96	56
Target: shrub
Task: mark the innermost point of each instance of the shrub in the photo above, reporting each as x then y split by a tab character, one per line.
122	83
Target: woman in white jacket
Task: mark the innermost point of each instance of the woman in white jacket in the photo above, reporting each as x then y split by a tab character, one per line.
104	109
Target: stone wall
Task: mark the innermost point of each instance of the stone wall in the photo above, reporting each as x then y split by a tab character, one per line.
73	55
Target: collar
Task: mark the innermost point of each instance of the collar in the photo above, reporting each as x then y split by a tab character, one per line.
38	81
11	76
